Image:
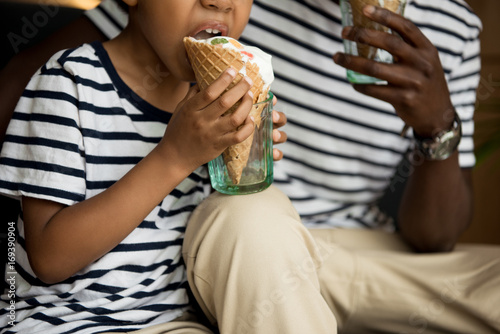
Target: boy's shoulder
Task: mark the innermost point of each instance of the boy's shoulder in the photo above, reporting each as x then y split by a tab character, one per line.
85	54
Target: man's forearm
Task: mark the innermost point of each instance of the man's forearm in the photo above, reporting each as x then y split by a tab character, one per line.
436	206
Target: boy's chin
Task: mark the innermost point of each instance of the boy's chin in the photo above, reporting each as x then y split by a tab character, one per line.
192	77
187	71
188	76
184	77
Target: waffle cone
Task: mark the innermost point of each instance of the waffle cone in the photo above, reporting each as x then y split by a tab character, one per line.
360	20
208	63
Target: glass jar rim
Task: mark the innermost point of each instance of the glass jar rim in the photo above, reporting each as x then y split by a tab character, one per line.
270	97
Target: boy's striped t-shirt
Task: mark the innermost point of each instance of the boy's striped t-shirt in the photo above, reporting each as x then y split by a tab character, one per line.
343	147
77	129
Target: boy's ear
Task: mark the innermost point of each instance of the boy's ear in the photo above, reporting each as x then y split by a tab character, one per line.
131	3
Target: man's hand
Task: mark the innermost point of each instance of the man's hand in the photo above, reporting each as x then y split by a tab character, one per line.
416	84
436	206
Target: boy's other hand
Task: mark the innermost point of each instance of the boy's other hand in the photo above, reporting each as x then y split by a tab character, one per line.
416	83
199	131
279	137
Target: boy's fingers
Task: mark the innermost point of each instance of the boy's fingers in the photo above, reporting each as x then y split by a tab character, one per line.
277	154
279	137
240	134
226	101
279	119
193	90
190	98
239	116
214	91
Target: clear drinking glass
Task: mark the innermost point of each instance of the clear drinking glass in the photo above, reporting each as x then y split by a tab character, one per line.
352	16
257	173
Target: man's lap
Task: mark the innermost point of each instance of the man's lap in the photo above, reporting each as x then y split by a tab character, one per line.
371	279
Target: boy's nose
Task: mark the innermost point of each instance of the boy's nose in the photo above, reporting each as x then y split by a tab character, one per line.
221	5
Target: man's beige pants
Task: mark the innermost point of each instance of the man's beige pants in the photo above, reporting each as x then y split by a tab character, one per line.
254	268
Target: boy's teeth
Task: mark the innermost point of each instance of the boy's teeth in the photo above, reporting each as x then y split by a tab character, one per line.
212	31
206	33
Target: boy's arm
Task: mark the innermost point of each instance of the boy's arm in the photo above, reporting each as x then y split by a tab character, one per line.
62	240
437	203
16	74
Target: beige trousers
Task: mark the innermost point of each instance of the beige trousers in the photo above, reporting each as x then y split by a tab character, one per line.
187	324
254	268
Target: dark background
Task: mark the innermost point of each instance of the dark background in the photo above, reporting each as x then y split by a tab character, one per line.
42	21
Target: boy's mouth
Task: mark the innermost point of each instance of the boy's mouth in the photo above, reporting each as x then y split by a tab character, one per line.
208	33
210	29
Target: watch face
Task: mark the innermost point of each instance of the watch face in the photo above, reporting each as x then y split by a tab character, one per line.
443	145
446	146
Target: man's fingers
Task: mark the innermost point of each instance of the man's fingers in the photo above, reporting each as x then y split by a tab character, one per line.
405	28
362	65
381	40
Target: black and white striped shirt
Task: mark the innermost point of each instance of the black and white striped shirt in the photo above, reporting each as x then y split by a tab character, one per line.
76	130
343	147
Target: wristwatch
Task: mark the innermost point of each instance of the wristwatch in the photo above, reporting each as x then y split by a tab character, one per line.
443	144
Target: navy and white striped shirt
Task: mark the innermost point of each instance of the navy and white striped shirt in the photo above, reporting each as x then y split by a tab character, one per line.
343	147
76	130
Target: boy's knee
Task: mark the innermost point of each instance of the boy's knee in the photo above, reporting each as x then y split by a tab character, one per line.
269	201
268	205
258	222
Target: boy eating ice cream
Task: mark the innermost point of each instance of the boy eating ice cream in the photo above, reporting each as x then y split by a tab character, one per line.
108	146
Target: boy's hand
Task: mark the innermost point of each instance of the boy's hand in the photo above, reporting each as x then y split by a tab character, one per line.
416	84
198	132
279	137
